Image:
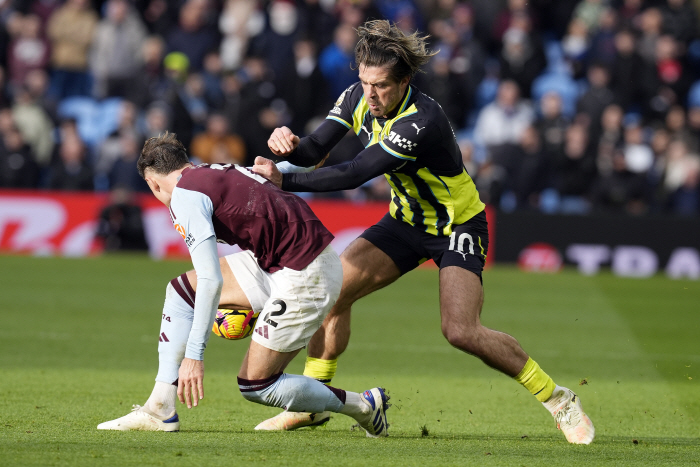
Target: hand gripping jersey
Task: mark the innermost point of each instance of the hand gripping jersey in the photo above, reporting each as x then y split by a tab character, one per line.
431	190
241	208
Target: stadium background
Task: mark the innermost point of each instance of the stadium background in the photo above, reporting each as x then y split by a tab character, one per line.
587	108
592	162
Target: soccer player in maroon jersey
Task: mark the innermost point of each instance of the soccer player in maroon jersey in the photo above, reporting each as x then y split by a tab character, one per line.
287	272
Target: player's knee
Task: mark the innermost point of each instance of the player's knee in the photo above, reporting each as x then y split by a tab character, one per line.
258	390
465	339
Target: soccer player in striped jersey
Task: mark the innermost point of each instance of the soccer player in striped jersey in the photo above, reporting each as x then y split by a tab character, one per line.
435	213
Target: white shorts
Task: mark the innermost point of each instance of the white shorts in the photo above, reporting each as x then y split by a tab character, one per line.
292	304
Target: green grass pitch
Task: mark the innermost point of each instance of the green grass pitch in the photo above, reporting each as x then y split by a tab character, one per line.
78	342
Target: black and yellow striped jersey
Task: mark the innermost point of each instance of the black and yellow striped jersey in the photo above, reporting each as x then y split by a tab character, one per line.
431	189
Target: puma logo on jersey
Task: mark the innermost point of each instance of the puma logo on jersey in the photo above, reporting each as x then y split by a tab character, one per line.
416	127
369	133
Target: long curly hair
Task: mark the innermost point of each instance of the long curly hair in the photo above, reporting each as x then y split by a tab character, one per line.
383	44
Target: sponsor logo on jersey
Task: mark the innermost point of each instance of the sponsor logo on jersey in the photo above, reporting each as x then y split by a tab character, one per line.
416	127
342	95
400	141
181	230
336	110
189	240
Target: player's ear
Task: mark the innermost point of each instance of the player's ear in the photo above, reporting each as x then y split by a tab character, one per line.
153	184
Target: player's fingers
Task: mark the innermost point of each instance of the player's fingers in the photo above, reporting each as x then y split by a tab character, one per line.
294	139
180	389
200	389
187	392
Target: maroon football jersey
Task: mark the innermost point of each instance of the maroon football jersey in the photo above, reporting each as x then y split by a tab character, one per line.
278	227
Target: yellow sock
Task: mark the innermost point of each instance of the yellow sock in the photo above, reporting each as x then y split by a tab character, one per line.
321	370
536	380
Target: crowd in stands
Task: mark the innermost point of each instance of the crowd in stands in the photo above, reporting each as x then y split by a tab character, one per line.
560	106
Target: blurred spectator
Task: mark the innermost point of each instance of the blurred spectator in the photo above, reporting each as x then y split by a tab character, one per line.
317	21
176	71
116	57
28	51
217	145
625	69
239	20
522	58
665	81
610	138
552	125
589	12
211	80
303	86
504	120
120	225
192	36
602	49
71	172
275	43
159	15
574	173
650	25
71	29
17	166
123	173
34	124
598	96
153	82
258	118
336	59
156	121
680	20
575	47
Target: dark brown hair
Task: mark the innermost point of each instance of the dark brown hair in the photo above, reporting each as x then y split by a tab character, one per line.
384	44
162	154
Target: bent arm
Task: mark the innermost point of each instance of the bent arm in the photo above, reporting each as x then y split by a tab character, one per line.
205	259
313	148
368	164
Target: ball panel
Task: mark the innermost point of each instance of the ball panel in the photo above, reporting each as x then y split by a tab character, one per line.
234	324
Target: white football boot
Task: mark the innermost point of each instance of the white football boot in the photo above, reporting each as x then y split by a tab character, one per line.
375	424
565	407
143	420
287	421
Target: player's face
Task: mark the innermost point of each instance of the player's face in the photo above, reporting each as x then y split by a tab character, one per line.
382	92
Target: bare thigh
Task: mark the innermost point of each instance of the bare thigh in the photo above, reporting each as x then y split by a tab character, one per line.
261	362
232	295
366	268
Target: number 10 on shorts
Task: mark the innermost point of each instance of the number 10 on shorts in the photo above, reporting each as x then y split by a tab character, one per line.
460	243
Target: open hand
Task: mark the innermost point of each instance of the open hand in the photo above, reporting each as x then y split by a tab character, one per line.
190	383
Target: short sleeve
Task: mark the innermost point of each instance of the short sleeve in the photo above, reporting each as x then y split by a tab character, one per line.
192	213
344	107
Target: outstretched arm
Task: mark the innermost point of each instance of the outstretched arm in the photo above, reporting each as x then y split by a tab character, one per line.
368	164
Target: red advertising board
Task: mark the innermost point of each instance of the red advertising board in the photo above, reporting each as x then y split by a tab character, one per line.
64	224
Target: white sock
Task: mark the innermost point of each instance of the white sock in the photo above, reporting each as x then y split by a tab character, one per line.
559	395
162	400
355	407
175	327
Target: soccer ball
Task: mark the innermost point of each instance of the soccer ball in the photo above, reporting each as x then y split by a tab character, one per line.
234	324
